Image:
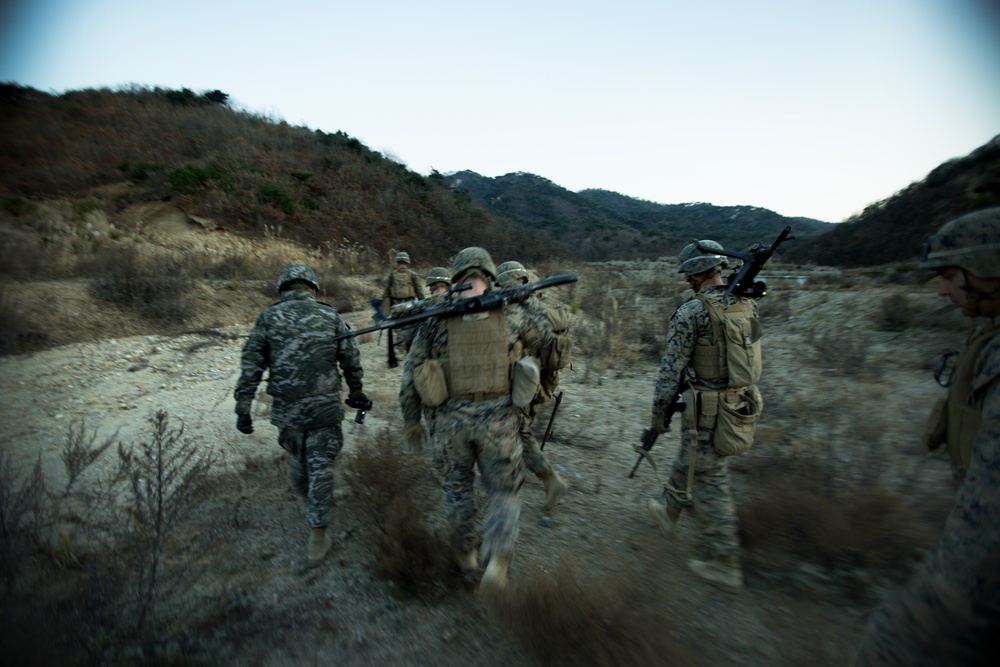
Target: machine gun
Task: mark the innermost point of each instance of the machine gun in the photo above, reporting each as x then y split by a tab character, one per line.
466	306
650	435
744	281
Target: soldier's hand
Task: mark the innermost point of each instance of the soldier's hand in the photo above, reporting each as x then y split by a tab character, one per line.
244	424
359	401
657	423
414	437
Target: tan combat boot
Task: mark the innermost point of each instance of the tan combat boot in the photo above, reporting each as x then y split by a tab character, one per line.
725	572
555	488
319	544
495	576
665	517
469	563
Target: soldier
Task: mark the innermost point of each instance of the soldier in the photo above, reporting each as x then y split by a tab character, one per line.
461	367
513	273
402	284
713	352
949	613
438	281
292	339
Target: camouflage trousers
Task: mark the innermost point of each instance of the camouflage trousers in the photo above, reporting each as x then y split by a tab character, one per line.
310	468
711	491
534	457
485	433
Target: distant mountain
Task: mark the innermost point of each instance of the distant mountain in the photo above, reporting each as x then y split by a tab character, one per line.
600	224
894	229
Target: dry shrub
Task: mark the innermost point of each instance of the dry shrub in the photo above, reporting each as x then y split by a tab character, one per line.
155	287
840	530
897	312
393	492
578	615
17	333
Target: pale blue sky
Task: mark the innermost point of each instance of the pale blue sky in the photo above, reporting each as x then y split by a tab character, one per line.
807	107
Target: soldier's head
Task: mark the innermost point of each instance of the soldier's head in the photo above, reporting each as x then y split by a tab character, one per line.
297	276
474	266
402	259
438	280
701	268
511	273
965	253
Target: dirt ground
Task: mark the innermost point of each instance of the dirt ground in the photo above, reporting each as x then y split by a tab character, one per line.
254	601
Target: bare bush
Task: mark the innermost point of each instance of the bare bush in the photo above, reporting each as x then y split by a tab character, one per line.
897	312
392	492
156	287
21	512
17	333
577	615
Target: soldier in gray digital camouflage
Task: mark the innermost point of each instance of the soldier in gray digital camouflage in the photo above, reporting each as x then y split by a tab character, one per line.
465	368
292	339
713	355
539	305
949	612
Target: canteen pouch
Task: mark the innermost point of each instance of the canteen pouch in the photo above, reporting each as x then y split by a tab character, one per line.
430	383
527	376
737	420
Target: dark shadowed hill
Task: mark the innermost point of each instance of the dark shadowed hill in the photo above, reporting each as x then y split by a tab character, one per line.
894	229
607	225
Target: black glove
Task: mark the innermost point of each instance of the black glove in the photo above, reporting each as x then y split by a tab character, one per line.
359	401
244	424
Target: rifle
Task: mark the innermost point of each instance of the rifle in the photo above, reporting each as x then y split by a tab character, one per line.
650	435
467	306
552	420
743	282
379	312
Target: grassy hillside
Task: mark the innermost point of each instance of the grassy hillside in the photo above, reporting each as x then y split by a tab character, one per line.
894	229
246	172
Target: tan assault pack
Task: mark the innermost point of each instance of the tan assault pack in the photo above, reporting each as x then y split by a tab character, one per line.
401	286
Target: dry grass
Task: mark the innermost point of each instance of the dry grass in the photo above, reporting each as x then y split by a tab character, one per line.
577	615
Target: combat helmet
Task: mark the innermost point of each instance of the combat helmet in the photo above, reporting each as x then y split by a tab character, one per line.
473	258
970	242
402	256
438	274
692	261
297	273
510	273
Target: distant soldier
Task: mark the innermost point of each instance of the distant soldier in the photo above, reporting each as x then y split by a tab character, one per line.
402	284
292	338
513	273
949	613
713	352
461	366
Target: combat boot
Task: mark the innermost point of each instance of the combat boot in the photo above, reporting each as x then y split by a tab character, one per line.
495	576
320	542
725	572
469	563
555	488
664	516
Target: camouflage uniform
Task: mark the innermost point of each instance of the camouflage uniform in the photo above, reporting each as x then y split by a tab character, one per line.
406	280
713	496
949	613
470	432
292	339
539	308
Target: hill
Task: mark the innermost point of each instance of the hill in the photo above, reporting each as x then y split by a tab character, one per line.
607	225
894	229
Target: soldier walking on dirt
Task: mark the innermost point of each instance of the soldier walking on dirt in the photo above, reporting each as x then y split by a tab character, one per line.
292	338
949	613
438	281
513	273
713	353
461	367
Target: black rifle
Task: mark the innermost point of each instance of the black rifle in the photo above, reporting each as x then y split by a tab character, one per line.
379	312
552	420
744	281
650	435
466	306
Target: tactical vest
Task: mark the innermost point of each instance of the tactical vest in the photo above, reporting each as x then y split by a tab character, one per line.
734	355
401	286
478	360
963	411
